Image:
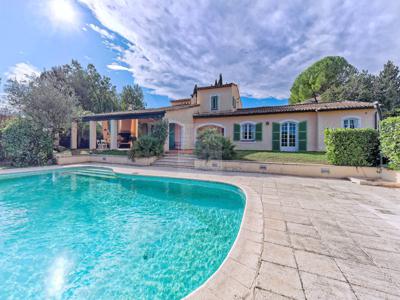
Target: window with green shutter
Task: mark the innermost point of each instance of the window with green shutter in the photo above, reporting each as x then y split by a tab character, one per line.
276	136
236	132
214	102
259	132
303	136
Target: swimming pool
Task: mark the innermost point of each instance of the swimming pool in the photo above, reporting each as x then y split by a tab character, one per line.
92	234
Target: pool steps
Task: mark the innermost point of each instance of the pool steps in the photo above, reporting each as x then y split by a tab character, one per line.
99	173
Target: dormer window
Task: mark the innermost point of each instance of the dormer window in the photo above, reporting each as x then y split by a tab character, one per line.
214	102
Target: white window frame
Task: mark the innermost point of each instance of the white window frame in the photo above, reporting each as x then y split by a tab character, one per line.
211	102
289	148
348	118
242	138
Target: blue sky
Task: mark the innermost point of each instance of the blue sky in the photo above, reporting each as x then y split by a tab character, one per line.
167	47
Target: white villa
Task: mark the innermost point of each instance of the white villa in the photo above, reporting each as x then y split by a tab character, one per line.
297	127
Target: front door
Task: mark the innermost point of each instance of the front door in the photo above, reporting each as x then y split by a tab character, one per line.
289	136
172	136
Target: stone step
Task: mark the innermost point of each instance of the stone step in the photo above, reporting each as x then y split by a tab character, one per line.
180	156
161	162
176	159
177	166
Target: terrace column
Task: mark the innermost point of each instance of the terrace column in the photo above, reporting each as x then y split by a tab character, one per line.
74	135
92	135
114	134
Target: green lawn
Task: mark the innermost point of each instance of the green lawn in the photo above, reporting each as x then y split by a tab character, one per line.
282	157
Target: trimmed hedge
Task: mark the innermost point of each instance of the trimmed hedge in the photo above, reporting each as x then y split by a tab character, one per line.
24	144
352	147
390	140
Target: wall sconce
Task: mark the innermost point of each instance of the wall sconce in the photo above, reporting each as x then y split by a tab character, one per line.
267	123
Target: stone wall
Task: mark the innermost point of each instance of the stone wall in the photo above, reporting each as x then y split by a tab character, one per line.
111	159
308	170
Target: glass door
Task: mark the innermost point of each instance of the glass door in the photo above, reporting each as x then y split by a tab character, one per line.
289	136
171	136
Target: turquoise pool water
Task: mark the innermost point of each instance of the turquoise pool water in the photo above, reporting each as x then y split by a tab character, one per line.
91	234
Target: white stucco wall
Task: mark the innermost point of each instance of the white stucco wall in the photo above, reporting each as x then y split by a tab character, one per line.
183	117
266	142
334	119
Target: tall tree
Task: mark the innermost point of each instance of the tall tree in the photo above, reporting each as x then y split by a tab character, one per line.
319	77
387	87
220	82
359	87
47	101
363	86
95	93
132	98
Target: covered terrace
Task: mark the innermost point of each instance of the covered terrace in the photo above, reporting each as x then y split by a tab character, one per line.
116	130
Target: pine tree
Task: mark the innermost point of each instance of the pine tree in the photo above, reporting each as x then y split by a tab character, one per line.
220	80
194	90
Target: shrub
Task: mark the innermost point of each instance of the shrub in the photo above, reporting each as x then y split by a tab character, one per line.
160	131
146	146
152	144
211	144
352	147
2	154
26	145
390	140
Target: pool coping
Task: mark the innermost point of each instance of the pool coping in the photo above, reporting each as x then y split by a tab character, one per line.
238	271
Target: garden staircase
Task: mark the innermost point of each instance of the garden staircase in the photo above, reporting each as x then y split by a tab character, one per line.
176	160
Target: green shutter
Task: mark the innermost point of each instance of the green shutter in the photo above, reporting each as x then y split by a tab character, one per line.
259	131
236	132
303	136
276	136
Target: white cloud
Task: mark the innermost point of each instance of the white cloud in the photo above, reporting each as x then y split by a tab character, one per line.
104	33
117	67
261	44
22	72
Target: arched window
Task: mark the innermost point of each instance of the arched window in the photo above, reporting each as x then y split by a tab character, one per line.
351	122
248	132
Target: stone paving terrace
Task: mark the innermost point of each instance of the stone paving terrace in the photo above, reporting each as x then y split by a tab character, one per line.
305	238
328	239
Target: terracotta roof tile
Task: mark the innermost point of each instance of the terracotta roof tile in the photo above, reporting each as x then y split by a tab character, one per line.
305	107
185	101
117	114
181	100
216	87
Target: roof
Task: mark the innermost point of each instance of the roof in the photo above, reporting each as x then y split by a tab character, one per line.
216	86
135	114
293	108
180	101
